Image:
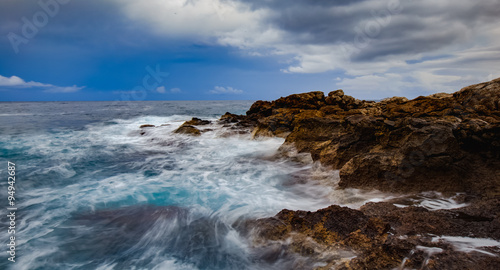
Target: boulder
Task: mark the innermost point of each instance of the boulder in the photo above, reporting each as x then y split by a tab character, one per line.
196	122
187	129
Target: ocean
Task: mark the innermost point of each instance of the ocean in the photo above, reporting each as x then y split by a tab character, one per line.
92	192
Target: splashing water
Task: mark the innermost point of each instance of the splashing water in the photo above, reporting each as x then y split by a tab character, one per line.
100	193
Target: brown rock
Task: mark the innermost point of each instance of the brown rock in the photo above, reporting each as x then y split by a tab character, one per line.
187	129
308	101
196	122
443	142
428	143
147	126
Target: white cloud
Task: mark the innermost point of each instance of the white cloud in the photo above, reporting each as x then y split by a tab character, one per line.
225	90
17	82
131	92
163	90
191	18
68	89
375	86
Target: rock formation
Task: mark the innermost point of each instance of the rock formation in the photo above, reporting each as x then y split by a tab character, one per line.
188	127
383	236
442	142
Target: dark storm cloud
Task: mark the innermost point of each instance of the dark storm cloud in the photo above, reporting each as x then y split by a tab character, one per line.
413	26
279	4
84	24
311	22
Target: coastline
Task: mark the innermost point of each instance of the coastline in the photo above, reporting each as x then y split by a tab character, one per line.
447	144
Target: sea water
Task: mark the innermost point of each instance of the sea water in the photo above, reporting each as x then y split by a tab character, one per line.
94	191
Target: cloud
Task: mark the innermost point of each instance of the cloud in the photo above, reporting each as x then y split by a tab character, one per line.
163	90
132	92
190	18
17	82
68	89
225	90
365	39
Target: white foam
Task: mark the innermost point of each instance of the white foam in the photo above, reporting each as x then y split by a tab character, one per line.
429	250
436	201
174	265
468	244
222	178
432	201
15	114
106	266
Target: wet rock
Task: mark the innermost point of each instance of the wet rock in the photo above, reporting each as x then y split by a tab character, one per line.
381	235
196	122
147	126
333	229
237	120
187	129
143	127
308	101
441	142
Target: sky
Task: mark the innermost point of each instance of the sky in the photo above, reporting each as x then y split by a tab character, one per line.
70	50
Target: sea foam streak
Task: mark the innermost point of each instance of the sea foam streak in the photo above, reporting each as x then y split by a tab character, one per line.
114	196
111	168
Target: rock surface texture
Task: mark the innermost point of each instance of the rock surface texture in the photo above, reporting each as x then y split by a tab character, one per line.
444	142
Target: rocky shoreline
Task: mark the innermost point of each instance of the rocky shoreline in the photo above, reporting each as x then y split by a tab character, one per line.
447	143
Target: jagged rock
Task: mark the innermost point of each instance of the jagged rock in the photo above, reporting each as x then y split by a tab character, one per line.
315	234
196	122
397	100
381	235
308	101
437	142
238	120
189	128
230	118
443	142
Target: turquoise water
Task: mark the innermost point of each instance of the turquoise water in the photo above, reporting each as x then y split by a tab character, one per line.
93	193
